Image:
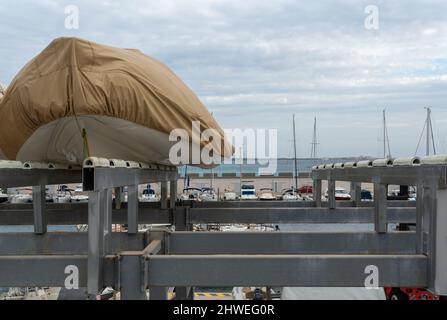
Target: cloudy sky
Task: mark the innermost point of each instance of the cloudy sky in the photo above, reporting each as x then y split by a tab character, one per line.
254	63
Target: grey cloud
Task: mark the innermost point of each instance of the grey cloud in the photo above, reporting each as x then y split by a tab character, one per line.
254	63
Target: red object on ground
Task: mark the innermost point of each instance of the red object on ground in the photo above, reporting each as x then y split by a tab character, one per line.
409	294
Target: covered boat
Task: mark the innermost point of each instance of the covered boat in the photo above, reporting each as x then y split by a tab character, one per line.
78	98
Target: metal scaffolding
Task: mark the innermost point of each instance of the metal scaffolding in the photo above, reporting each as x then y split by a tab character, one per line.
146	264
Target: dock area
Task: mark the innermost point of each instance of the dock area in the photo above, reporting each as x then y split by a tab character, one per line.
147	265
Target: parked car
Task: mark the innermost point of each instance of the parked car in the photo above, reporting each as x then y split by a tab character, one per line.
266	194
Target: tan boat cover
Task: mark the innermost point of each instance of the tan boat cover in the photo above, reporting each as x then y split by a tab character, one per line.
74	77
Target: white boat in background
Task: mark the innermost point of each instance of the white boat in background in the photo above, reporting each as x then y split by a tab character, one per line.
63	195
149	195
79	198
266	194
229	195
191	194
290	195
3	196
20	198
23	195
340	194
78	195
208	194
234	228
248	192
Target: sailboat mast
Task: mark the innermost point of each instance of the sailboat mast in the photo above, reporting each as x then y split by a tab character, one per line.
428	132
294	149
185	180
386	139
432	137
384	133
240	170
313	152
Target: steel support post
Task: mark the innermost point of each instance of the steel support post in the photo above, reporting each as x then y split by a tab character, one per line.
427	228
181	224
332	203
132	209
440	238
164	194
380	207
96	233
356	193
184	293
132	277
317	192
172	193
158	293
156	246
434	236
419	219
107	221
40	215
181	219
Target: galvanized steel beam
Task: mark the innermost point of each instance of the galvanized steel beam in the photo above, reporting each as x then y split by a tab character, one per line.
297	215
286	270
291	243
14	178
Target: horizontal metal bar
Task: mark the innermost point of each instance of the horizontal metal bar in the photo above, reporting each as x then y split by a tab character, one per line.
388	175
296	215
75	243
14	178
291	243
77	213
292	204
285	270
95	179
30	271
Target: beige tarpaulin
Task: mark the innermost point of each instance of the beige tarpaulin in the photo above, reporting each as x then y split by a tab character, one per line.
115	94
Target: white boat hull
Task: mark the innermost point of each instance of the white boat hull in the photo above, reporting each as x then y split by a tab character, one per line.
20	198
59	141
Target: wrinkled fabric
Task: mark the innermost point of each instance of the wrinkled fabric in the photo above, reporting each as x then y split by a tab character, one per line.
74	77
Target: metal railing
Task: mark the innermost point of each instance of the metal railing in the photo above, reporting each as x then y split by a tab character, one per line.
136	263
